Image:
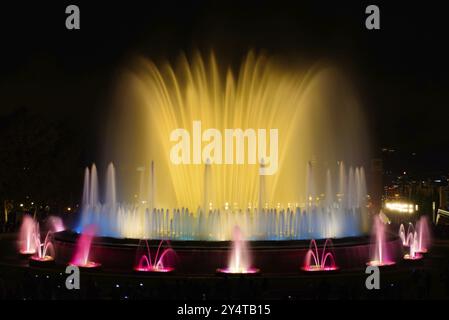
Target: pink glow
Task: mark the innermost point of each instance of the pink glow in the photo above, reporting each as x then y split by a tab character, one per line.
27	236
230	271
159	263
424	236
239	260
413	245
55	224
153	269
43	259
377	263
405	237
416	256
44	250
88	265
379	251
82	250
417	239
325	262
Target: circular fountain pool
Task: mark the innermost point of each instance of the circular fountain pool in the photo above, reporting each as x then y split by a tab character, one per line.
187	123
204	257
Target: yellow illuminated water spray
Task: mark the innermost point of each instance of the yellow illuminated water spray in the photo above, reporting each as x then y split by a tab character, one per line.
314	111
262	148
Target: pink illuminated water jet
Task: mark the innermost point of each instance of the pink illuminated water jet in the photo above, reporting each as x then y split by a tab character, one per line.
379	252
417	238
423	235
55	224
158	263
45	252
405	237
82	250
325	262
412	241
239	260
27	234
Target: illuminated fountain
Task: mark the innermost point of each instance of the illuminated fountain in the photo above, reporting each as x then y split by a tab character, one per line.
239	259
272	148
30	241
424	236
412	242
323	262
82	249
331	216
380	255
416	239
406	238
27	235
319	126
158	263
55	224
45	252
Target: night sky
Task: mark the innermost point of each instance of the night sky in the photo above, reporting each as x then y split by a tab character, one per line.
67	77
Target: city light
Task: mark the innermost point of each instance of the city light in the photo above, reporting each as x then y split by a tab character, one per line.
402	207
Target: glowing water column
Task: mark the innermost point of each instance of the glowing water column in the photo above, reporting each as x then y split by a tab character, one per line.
146	262
45	252
82	249
379	251
315	262
416	240
239	259
27	234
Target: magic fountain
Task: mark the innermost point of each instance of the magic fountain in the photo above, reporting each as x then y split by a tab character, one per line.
201	203
319	126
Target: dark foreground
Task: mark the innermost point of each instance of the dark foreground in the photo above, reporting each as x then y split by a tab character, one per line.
426	279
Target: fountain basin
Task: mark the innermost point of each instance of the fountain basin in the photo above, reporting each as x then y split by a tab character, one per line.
381	264
241	272
27	253
204	257
143	270
46	261
319	269
417	256
88	265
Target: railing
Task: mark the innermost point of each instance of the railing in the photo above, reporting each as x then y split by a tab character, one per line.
441	213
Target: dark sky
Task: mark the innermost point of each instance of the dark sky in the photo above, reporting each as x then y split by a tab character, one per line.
400	71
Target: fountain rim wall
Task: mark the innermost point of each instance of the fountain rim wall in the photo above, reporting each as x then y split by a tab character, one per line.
204	257
69	236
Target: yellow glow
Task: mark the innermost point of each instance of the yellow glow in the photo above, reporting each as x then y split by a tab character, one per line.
313	108
402	207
